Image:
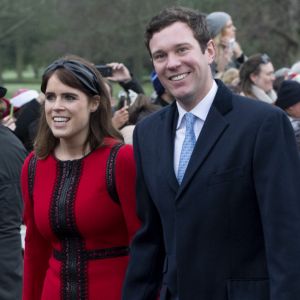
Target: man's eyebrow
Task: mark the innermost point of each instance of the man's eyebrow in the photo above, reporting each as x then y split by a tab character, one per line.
158	51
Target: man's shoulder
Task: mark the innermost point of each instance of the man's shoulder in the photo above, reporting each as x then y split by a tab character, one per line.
241	101
155	117
248	106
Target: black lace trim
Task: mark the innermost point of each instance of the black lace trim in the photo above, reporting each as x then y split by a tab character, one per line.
97	253
62	218
110	173
31	175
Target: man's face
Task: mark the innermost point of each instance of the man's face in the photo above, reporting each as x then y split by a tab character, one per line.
180	64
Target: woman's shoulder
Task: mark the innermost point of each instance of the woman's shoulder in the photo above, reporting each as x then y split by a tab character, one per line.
28	159
113	148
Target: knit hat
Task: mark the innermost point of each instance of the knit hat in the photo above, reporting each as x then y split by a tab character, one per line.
22	96
159	89
288	94
216	21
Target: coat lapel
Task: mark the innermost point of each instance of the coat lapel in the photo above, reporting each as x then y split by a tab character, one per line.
212	130
167	130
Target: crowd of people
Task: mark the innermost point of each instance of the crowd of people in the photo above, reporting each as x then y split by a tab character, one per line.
189	193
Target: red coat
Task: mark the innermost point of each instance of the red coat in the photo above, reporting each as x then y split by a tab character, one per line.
69	219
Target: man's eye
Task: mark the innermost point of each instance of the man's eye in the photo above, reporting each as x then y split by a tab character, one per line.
182	50
159	56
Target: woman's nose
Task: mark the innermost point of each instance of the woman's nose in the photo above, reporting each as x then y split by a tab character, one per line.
58	104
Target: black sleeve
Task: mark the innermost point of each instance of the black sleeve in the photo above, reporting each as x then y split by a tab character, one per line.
132	85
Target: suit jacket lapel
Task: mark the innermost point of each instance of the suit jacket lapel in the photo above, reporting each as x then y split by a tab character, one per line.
213	128
167	130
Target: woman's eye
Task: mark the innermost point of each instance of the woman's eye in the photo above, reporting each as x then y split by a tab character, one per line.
50	97
70	97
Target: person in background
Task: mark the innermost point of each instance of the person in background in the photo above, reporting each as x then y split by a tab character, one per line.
4	103
162	97
3	91
27	121
121	75
231	78
295	68
229	53
12	155
257	77
294	73
280	75
6	111
79	191
141	108
217	182
289	100
119	114
21	101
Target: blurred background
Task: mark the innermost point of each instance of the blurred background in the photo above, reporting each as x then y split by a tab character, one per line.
35	32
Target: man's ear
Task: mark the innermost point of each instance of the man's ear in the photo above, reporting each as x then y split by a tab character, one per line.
211	51
95	102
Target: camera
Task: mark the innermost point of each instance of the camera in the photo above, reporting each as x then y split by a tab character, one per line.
123	99
104	70
126	98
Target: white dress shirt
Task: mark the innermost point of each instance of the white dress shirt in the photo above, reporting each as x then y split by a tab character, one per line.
200	111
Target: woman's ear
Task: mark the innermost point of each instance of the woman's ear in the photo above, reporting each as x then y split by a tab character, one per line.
95	102
253	77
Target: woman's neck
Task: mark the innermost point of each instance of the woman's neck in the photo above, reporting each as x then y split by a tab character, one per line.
66	151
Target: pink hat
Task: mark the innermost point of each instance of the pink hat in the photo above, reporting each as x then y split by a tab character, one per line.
23	96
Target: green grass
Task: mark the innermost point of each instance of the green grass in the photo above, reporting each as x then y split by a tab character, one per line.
12	85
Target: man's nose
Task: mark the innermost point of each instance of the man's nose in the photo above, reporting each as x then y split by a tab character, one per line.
173	61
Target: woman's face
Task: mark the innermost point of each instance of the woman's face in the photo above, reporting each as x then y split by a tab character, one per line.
265	78
67	111
229	30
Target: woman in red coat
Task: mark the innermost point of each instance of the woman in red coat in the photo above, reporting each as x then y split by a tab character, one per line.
79	191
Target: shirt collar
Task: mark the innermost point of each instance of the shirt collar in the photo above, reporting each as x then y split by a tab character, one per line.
202	108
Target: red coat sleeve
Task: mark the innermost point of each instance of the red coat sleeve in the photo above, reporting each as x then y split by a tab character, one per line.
125	183
37	249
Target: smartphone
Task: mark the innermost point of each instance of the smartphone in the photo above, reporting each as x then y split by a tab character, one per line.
104	70
123	99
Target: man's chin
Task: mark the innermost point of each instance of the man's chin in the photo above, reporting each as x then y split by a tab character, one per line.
183	96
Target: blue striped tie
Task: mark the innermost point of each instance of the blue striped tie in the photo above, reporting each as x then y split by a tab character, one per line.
187	146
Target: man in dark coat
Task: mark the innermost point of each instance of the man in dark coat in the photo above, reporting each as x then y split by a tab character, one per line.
12	155
229	229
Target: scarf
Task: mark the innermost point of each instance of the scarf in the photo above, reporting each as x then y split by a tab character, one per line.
269	97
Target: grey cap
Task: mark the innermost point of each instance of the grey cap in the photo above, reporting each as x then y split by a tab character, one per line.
216	21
